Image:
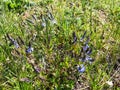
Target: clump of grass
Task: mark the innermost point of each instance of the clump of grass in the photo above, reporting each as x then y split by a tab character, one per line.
61	45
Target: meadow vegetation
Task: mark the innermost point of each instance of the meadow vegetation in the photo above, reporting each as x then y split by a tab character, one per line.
60	45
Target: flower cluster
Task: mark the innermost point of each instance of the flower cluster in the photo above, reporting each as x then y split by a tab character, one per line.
85	52
16	44
13	41
48	16
81	68
29	49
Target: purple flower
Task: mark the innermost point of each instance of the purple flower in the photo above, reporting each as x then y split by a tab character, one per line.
81	68
37	69
29	50
83	59
85	47
89	59
86	58
13	41
16	44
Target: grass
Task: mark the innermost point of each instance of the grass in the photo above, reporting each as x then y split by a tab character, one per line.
53	29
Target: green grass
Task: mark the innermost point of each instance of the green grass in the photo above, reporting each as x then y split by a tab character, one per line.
54	54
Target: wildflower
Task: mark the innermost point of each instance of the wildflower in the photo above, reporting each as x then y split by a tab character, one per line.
83	59
13	41
85	47
88	58
16	44
29	49
81	68
36	68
